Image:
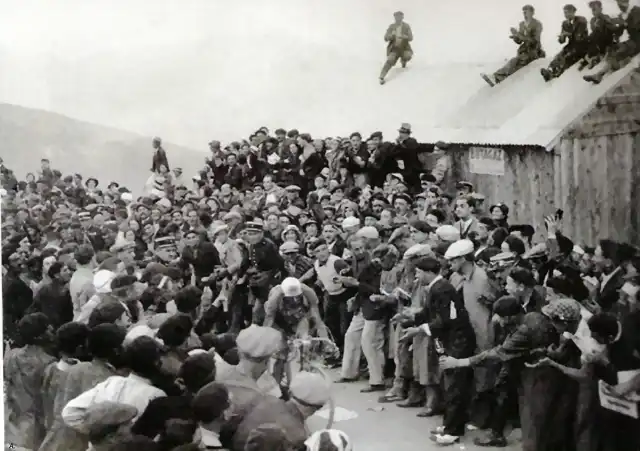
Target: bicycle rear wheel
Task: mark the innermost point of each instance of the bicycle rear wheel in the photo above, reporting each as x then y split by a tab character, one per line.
331	404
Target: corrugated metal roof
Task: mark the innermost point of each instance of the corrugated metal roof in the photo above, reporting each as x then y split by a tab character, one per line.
524	110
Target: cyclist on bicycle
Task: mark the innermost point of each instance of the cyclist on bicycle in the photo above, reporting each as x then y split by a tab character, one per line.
291	308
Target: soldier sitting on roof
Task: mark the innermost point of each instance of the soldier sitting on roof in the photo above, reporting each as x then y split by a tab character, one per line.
629	21
527	36
575	29
604	34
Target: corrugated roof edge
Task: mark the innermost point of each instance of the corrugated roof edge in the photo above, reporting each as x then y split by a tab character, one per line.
620	76
492	145
547	137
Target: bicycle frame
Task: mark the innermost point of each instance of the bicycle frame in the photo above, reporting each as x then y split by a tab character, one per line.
307	363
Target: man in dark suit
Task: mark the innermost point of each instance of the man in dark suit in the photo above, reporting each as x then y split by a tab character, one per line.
234	172
610	258
200	254
574	30
527	36
602	37
398	37
446	320
403	154
159	155
622	52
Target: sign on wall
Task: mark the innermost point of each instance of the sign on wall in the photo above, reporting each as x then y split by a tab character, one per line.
486	160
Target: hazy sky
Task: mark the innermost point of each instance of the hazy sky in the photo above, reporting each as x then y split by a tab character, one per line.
194	70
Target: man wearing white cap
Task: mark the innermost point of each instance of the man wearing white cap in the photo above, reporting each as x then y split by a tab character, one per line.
309	393
478	296
250	378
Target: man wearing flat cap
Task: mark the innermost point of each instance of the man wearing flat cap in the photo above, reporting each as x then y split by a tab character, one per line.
292	198
527	36
309	393
398	38
575	32
250	378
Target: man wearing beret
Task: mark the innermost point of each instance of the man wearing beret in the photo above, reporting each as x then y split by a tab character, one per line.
575	30
527	36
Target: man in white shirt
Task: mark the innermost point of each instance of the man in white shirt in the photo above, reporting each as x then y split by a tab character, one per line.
82	277
136	390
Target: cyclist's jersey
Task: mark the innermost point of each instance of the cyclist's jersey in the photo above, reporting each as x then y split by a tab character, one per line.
289	312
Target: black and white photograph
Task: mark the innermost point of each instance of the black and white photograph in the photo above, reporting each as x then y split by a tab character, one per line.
346	225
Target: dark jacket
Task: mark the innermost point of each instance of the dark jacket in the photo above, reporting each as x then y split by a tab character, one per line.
369	284
312	166
576	29
234	176
454	331
204	258
272	410
159	158
54	300
609	292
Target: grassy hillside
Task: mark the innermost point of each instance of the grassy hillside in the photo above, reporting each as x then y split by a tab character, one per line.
27	135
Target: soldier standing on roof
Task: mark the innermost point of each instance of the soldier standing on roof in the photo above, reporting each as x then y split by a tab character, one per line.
398	37
575	29
602	38
629	21
527	36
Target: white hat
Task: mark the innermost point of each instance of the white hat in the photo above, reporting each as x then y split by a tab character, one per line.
217	227
578	250
127	197
291	287
417	250
141	330
350	222
310	388
368	232
448	232
102	280
459	249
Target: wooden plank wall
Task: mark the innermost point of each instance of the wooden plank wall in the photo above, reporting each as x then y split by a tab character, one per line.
593	173
599	187
527	186
598	168
594	179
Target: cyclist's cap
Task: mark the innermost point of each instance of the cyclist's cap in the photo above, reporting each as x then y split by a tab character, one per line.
258	342
310	389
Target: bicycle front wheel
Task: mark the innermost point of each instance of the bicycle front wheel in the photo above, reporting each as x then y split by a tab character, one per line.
331	404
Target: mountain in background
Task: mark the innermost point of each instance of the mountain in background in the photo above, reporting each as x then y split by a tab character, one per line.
108	154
